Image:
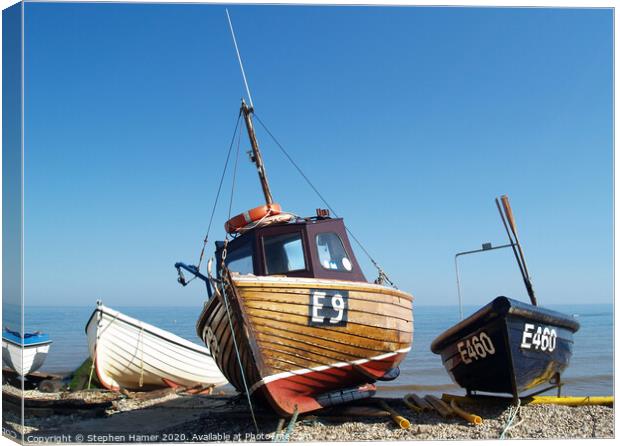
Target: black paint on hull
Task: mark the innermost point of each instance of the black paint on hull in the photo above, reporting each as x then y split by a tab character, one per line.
489	352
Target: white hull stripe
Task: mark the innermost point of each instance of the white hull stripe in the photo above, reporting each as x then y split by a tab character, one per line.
321	368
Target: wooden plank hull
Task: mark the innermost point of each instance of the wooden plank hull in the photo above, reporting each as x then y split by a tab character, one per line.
302	339
507	347
128	353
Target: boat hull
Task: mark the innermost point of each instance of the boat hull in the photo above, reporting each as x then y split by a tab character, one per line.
300	339
26	359
130	354
507	347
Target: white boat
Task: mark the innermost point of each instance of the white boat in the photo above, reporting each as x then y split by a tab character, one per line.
24	354
131	354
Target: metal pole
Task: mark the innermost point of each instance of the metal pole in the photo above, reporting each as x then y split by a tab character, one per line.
458	286
485	247
245	81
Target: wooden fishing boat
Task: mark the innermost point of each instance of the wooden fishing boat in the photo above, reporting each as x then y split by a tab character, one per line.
291	319
508	346
24	354
307	342
131	354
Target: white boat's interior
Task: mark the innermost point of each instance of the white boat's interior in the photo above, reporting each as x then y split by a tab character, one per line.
132	354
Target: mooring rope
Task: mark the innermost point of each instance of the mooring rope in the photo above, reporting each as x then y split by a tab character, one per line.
284	437
512	414
238	354
225	298
276	435
92	366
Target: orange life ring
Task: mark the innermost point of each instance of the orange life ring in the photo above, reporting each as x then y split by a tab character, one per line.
247	217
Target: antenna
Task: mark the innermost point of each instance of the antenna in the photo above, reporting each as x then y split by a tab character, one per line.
245	81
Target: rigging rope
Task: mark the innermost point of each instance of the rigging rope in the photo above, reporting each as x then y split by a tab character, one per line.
225	298
219	189
382	274
294	164
141	342
92	366
234	179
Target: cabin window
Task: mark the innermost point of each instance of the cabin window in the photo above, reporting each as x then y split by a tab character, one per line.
241	260
284	253
332	255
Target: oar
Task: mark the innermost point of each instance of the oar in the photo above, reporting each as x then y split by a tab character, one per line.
516	245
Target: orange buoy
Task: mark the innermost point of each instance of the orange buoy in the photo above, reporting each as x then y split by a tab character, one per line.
247	217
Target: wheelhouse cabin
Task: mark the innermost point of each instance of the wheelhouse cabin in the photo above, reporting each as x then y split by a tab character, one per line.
316	247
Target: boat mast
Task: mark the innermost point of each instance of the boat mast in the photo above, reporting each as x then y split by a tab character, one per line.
256	157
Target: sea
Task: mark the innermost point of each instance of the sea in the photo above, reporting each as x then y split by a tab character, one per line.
590	371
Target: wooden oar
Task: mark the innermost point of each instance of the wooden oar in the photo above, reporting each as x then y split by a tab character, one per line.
511	230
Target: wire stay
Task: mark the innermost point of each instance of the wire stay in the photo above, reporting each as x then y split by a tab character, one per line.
382	274
219	190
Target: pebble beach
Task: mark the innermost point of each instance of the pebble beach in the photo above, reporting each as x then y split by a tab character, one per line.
178	417
533	422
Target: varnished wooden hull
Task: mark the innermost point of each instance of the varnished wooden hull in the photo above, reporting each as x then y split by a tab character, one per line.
299	345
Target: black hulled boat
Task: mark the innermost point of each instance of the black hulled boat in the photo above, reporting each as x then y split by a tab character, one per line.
508	346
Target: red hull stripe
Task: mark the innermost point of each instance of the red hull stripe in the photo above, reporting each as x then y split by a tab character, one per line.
104	379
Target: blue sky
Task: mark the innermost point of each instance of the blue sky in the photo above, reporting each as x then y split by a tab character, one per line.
409	121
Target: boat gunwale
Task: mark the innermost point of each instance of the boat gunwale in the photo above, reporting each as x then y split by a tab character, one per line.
124	348
501	307
149	329
27	346
250	280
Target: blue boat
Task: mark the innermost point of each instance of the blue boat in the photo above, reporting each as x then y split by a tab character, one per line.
508	346
24	354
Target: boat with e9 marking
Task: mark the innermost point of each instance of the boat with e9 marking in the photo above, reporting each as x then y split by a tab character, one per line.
291	320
